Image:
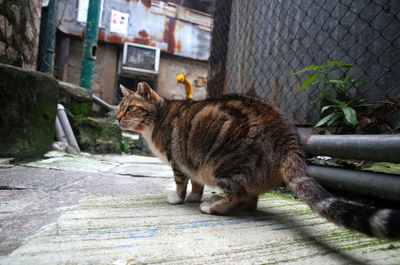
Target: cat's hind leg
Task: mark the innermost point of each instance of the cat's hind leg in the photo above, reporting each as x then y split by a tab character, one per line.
197	192
217	204
234	197
223	205
249	203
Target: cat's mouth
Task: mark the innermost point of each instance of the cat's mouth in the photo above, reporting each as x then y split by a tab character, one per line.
125	124
129	125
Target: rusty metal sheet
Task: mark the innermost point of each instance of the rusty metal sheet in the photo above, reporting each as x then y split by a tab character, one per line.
153	23
190	40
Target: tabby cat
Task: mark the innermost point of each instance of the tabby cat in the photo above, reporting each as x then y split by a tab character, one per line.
245	147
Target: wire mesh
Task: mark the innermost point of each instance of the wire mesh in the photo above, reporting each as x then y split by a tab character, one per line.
258	44
219	40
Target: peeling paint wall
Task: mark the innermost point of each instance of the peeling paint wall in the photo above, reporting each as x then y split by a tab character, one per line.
167	26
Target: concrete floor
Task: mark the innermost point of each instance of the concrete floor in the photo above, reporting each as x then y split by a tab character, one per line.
113	210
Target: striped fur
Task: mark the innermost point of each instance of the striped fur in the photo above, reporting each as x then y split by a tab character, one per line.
244	146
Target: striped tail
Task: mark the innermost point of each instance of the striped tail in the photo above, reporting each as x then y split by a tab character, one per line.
381	223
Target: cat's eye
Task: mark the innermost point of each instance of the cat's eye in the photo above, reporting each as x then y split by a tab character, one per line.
130	107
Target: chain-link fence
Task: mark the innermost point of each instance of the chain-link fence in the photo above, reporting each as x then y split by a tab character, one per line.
258	44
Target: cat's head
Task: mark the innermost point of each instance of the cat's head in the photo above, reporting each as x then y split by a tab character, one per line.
138	110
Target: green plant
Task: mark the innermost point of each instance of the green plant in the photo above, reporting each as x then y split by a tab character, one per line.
335	91
128	146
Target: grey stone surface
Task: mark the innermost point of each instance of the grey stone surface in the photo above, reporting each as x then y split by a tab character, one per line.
143	170
128	159
31	197
66	216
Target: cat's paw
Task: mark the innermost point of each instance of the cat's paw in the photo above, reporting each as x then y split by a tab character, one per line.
173	198
194	197
205	207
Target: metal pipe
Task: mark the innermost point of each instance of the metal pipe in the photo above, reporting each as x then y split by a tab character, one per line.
102	103
60	135
90	50
384	147
47	37
381	185
67	127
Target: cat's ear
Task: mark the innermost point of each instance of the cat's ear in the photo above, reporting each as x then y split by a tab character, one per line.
145	91
125	91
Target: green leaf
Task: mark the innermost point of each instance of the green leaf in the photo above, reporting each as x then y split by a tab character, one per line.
309	81
383	167
333	163
327	107
339	114
309	68
314	67
355	81
333	81
350	116
299	72
325	119
302	71
337	63
347	65
347	76
342	105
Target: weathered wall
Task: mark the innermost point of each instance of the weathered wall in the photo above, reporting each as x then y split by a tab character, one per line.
176	30
105	68
19	32
171	66
173	29
106	71
28	101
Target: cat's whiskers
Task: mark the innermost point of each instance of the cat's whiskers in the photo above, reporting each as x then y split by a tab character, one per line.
117	99
112	124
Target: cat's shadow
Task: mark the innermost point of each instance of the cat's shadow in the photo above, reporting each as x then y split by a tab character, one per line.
295	226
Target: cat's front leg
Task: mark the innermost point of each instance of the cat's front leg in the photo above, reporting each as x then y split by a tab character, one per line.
197	192
181	182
